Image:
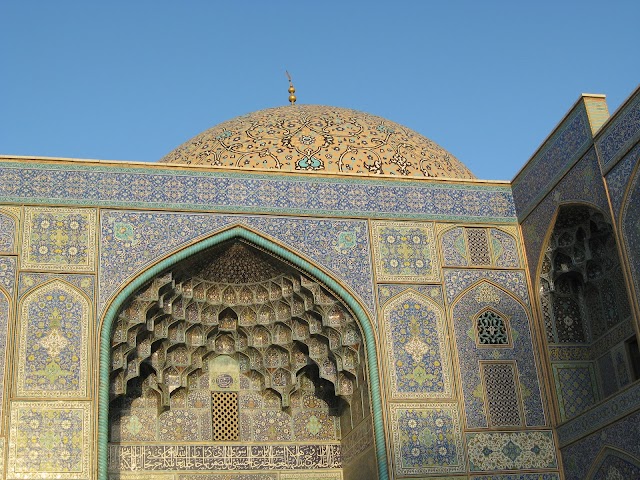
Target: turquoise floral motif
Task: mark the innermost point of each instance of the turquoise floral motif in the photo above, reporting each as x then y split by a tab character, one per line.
309	163
52	360
385	128
123	231
345	242
416	339
427	439
313	425
134	426
225	134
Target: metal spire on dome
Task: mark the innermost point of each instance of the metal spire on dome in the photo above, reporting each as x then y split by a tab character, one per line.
292	91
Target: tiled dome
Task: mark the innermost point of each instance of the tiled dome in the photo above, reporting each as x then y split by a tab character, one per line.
319	139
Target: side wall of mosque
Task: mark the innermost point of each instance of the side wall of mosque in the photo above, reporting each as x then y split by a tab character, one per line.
580	225
464	375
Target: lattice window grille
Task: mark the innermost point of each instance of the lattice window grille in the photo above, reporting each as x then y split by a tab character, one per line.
224	415
503	400
492	329
478	243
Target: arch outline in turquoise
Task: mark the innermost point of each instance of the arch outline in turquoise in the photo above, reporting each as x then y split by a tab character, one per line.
238	232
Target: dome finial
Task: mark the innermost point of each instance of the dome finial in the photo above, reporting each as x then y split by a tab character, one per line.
292	91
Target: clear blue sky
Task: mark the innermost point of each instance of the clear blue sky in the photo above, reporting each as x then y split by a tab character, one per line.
132	80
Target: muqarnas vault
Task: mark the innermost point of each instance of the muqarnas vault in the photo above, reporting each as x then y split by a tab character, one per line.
315	293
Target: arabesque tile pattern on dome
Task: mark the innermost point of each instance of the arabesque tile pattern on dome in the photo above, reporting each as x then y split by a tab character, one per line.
313	138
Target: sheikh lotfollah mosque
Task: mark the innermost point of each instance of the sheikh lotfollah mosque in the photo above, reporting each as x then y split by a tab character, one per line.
311	292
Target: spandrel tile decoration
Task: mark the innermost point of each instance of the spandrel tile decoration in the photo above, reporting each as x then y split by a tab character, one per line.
312	292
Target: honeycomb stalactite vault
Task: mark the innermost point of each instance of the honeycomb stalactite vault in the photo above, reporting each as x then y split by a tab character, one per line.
233	345
275	326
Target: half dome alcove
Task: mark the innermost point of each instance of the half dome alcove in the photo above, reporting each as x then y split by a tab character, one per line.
235	355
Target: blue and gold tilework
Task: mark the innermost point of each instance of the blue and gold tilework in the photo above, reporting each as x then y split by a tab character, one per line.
465	309
565	146
4	325
438	266
8	273
631	229
50	440
59	239
405	252
461	247
9	223
576	387
426	439
620	134
419	357
132	241
52	356
490	451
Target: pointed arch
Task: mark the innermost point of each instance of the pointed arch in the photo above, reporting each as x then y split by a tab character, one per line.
8	232
482	295
54	278
451	254
491	283
610	457
628	231
628	191
239	232
551	227
55	331
416	342
492	328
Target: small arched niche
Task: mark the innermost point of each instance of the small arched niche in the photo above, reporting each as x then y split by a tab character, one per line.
589	330
231	347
